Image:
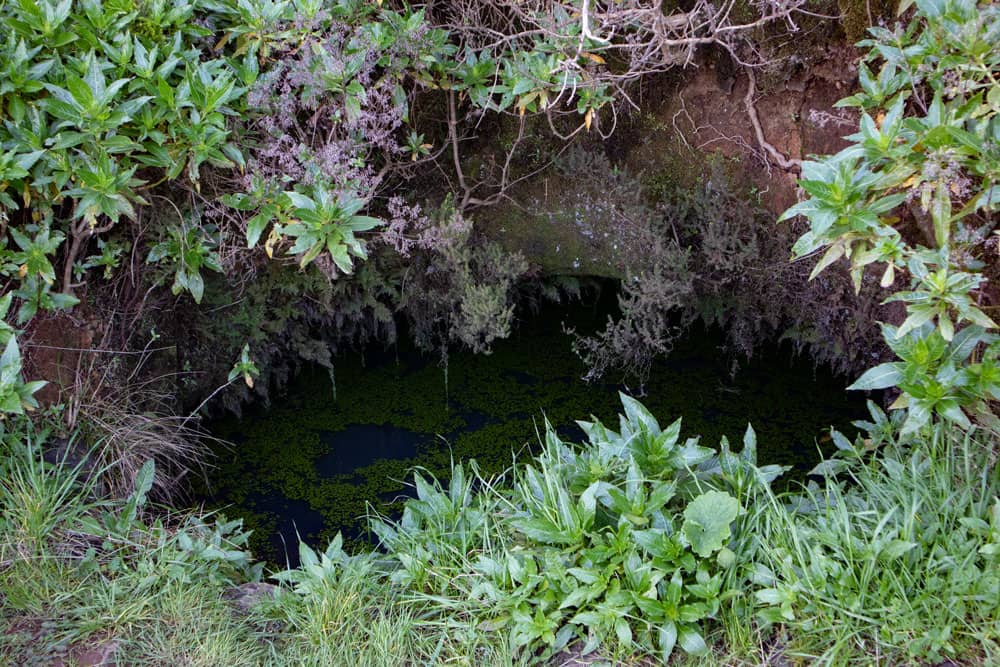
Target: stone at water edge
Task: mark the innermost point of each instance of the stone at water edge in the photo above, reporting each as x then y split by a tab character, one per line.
246	596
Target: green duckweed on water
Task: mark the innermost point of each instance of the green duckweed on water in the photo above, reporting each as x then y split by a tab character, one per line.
311	463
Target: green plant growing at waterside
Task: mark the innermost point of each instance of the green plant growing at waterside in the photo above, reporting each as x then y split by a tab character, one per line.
937	375
637	542
16	396
917	193
894	555
634	543
282	455
626	544
244	367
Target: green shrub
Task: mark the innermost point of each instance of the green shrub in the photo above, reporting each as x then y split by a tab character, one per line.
628	543
916	193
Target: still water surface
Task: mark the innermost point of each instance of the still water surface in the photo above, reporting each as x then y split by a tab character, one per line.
316	460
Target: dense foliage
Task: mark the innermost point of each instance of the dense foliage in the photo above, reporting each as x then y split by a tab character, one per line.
630	544
216	136
625	541
152	143
917	192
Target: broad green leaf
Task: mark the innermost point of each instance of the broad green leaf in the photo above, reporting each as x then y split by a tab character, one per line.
196	285
829	468
980	318
946	327
144	482
10	362
769	596
880	377
965	342
692	642
919	315
667	639
898	548
624	632
918	415
638	414
951	411
363	223
300	200
707	521
257	224
749	453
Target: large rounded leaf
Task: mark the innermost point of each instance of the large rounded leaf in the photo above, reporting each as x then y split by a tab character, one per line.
707	519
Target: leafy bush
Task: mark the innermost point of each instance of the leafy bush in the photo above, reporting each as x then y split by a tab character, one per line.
110	105
98	93
917	193
629	542
898	555
460	289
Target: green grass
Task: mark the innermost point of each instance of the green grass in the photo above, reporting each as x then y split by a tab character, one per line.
894	560
157	589
898	558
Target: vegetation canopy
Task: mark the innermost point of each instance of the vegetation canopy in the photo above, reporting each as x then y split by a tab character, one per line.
219	191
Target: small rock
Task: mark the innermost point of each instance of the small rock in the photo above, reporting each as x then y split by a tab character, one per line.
101	654
245	596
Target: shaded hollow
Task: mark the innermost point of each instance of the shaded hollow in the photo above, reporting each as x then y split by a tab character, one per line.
333	443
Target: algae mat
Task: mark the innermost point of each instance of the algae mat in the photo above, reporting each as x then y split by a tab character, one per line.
338	443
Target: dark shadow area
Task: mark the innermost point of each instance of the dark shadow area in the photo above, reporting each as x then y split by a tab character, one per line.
338	445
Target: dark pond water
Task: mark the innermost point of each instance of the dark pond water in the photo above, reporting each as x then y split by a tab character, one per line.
313	462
